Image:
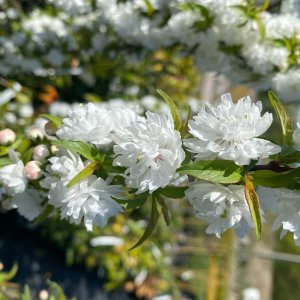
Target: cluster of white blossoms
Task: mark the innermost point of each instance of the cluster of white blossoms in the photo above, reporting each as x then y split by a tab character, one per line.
144	153
215	33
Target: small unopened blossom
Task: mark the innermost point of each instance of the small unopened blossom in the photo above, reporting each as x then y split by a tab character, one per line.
87	123
32	170
7	136
222	207
12	176
40	153
151	153
230	130
90	199
34	133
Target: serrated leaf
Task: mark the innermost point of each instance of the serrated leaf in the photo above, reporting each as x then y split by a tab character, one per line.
82	148
131	203
86	172
173	109
217	171
273	179
151	225
253	203
43	216
285	121
6	276
173	192
164	208
57	121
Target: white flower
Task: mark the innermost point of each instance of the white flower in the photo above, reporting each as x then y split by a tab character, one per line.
90	199
288	213
29	203
287	85
12	176
151	153
223	207
229	131
122	117
87	123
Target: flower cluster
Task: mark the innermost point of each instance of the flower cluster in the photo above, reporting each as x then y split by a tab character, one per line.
101	157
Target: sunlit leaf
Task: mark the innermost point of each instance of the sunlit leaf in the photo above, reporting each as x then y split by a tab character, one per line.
253	203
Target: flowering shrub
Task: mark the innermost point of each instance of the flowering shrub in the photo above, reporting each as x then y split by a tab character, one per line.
90	168
76	38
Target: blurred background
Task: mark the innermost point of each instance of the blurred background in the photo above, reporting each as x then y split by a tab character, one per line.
56	53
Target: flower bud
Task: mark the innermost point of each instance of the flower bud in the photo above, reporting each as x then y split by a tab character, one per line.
7	136
32	170
40	153
34	133
50	128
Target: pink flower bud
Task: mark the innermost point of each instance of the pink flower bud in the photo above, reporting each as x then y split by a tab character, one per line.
32	170
40	153
7	136
35	133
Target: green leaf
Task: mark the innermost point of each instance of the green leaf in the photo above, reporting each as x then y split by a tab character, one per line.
92	98
43	216
289	155
131	203
4	161
173	109
26	295
3	150
261	27
6	276
57	121
253	203
164	208
56	291
273	179
285	121
173	192
23	146
217	171
150	8
26	157
86	172
151	225
82	148
264	6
